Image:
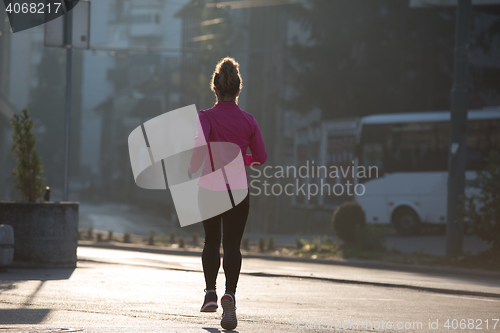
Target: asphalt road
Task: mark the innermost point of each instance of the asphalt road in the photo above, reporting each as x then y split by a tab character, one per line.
122	291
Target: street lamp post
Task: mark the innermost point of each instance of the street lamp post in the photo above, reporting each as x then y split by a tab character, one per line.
458	134
67	133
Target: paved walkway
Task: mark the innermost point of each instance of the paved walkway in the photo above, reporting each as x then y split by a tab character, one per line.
131	291
443	283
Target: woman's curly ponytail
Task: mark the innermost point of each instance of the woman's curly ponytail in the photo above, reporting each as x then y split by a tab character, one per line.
226	78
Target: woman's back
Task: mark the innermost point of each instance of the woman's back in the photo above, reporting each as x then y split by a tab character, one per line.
226	128
226	122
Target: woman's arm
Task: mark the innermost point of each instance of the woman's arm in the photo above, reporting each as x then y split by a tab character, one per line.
200	144
259	155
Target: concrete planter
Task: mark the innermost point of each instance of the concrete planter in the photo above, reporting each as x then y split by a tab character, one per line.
45	234
6	246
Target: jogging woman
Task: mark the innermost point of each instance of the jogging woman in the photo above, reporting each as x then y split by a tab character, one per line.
226	122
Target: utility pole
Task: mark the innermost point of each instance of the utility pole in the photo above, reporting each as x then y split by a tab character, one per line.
68	31
67	133
458	125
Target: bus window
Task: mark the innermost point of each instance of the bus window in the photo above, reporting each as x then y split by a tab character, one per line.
371	150
420	147
417	147
373	155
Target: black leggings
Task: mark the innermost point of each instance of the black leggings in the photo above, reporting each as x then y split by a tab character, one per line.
233	225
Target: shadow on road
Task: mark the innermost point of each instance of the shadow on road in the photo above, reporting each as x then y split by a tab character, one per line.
30	274
24	314
211	329
216	330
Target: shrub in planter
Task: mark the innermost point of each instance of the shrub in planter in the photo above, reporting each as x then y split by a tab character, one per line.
28	172
347	219
45	233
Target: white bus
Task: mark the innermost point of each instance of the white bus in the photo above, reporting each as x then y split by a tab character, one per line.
411	153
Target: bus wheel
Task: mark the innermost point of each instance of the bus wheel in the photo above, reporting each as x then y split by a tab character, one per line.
406	221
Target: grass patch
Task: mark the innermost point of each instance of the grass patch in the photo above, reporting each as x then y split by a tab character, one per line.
318	248
328	249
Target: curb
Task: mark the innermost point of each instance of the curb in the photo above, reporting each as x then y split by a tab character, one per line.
347	262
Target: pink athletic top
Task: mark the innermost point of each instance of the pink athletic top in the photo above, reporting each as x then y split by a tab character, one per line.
226	122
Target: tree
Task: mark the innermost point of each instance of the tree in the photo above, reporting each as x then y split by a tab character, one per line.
484	63
483	210
363	57
29	167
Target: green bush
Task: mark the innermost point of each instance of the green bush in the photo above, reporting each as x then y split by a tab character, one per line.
324	248
99	237
316	244
299	243
195	239
270	244
90	233
162	238
171	237
126	237
371	237
483	210
182	243
245	243
27	174
110	235
151	237
262	245
328	240
347	218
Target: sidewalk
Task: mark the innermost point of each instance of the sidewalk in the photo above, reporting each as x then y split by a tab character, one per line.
423	278
345	262
136	291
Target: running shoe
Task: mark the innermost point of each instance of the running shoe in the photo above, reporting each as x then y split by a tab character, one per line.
210	303
228	321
